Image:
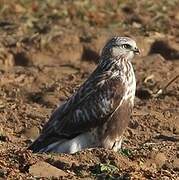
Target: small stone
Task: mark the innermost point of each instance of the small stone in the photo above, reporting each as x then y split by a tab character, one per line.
176	127
176	164
160	159
43	169
177	16
31	133
136	25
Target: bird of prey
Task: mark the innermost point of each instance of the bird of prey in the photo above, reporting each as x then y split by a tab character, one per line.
99	112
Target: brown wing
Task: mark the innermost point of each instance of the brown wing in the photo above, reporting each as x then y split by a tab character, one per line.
90	107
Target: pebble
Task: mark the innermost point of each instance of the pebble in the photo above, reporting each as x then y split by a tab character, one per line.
159	159
176	164
45	170
176	127
31	133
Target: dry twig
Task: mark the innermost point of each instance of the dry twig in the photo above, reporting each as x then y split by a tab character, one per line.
160	91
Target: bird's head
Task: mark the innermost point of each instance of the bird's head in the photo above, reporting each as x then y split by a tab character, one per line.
120	47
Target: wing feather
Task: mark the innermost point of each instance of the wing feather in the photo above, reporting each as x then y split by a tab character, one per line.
89	107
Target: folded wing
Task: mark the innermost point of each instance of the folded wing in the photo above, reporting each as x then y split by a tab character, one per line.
90	107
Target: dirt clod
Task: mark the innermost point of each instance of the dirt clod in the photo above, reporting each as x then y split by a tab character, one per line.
160	159
176	164
31	133
43	169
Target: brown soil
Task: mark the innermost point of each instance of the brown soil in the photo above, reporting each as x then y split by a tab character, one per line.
48	48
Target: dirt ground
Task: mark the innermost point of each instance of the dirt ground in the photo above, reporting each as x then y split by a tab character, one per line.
48	48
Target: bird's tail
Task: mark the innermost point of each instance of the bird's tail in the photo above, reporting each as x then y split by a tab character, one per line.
42	142
36	145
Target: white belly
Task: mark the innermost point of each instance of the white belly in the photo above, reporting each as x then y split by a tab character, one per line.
80	142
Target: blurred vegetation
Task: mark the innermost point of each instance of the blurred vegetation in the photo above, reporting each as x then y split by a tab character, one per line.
144	15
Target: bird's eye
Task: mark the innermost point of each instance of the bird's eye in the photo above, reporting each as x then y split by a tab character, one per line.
126	46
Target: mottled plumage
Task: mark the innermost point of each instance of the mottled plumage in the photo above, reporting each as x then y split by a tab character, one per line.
98	113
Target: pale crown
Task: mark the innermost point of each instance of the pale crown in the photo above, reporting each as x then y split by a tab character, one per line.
120	47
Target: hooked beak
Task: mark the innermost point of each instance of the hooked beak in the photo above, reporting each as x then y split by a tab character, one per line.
136	50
